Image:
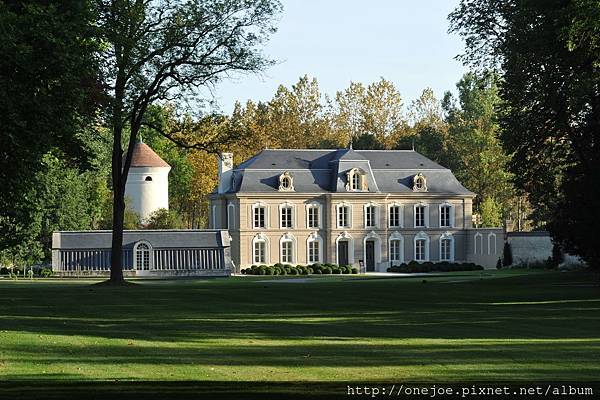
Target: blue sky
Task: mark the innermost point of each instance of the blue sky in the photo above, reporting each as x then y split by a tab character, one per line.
339	41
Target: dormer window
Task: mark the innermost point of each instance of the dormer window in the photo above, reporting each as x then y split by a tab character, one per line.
148	179
419	183
356	180
286	182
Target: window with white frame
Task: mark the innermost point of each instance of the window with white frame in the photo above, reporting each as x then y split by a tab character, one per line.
142	257
420	216
286	216
230	216
395	216
395	251
313	216
287	251
343	217
260	252
446	248
445	215
370	216
421	247
259	216
314	251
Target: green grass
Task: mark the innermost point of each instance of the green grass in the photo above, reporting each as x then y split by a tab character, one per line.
492	326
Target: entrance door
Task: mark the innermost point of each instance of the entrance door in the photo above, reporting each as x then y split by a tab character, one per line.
343	252
370	255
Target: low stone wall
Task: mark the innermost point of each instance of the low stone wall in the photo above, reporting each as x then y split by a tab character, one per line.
147	274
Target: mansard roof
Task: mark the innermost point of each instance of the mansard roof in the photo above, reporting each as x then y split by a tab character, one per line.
325	171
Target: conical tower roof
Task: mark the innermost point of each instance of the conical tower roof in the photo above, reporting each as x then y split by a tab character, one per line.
144	156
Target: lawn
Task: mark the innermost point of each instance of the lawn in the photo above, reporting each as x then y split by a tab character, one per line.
495	326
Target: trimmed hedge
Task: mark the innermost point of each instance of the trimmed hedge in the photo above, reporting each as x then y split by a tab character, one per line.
312	269
444	266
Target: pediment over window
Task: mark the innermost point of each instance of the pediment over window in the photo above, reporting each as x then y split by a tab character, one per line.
286	182
419	183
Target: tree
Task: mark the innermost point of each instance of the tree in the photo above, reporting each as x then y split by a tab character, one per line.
164	219
158	51
507	258
548	56
48	95
477	157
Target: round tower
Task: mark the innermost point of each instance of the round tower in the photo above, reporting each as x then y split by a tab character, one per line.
147	186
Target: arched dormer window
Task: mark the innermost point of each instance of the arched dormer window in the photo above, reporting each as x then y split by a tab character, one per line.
148	179
419	183
286	182
356	180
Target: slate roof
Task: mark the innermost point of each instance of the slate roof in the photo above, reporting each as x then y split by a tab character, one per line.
162	238
144	156
324	171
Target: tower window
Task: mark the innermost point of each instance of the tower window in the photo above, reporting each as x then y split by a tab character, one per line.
148	179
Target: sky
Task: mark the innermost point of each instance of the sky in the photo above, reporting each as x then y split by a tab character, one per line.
339	41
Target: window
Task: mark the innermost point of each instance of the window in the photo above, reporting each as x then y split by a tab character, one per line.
142	257
313	251
395	216
286	217
230	216
343	216
370	216
355	180
445	215
420	249
420	216
260	252
395	251
445	249
260	216
419	183
312	218
287	251
286	182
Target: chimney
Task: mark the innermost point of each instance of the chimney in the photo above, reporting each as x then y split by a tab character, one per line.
225	172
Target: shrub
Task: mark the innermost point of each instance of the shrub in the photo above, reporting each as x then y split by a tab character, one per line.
278	265
46	272
318	272
326	270
269	271
4	271
557	255
354	271
336	271
261	271
499	264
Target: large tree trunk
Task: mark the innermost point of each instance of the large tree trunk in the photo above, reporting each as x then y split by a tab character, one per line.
116	256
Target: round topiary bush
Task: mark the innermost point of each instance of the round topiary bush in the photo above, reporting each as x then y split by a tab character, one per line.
354	271
336	271
326	271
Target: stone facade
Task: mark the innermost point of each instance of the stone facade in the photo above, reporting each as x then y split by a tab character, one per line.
369	209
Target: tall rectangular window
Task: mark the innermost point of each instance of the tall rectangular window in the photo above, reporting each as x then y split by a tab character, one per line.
420	216
395	221
287	252
445	216
446	250
286	217
344	217
370	217
260	217
420	249
313	251
396	251
313	217
260	252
